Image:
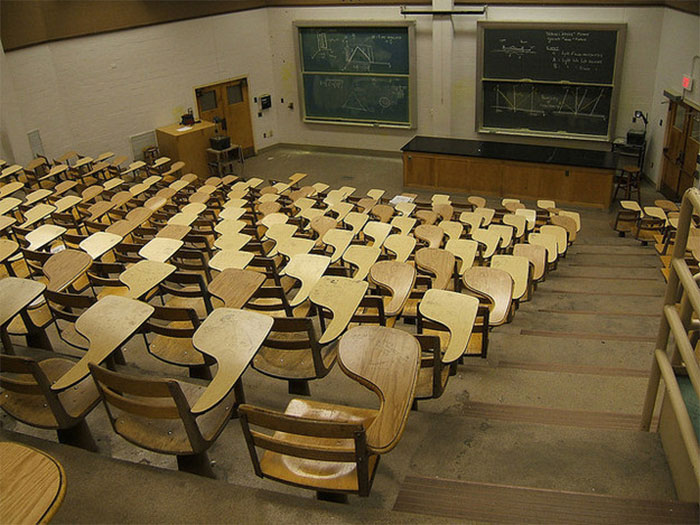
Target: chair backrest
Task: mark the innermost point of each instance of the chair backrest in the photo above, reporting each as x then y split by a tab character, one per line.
401	246
537	255
383	212
397	280
296	338
496	286
126	396
429	234
519	269
440	263
319	446
560	234
16	385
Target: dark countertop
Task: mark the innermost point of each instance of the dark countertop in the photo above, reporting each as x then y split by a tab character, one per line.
518	152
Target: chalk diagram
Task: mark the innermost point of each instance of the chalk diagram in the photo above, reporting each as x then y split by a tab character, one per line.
573	101
518	51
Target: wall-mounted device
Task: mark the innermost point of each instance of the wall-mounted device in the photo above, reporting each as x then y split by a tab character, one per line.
265	102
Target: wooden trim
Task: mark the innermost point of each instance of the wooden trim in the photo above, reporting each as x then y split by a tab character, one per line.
25	23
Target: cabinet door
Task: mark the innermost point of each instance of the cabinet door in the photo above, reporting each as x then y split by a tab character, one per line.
418	170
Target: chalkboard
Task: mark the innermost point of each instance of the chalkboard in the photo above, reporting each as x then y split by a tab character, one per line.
356	74
549	79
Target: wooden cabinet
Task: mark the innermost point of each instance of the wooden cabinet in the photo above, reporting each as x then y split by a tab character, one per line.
527	180
188	144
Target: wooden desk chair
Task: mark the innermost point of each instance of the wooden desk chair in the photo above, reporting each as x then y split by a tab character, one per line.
403	224
476	201
648	228
472	220
361	257
530	217
307	269
489	241
451	229
625	221
356	221
427	217
445	211
519	269
486	214
666	205
234	287
344	442
6	190
61	270
568	224
320	225
560	234
65	309
505	232
496	287
37	214
383	212
401	246
27	396
156	414
440	264
537	255
429	235
35	197
574	215
466	252
339	241
291	352
450	317
405	208
172	329
519	225
341	296
17	294
377	231
551	245
395	280
340	210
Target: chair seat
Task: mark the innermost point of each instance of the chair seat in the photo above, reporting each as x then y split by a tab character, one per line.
314	474
168	436
33	410
70	335
41	317
176	350
292	364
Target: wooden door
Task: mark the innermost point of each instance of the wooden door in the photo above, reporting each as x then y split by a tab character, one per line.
228	101
680	149
234	96
689	158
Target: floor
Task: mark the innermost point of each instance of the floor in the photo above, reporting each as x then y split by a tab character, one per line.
556	405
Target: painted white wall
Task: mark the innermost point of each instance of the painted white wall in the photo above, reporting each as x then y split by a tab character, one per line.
679	44
91	93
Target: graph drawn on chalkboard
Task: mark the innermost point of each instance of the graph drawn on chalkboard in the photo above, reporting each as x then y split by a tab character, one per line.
548	79
356	74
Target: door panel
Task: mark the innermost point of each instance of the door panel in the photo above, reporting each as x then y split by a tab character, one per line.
680	150
229	102
237	114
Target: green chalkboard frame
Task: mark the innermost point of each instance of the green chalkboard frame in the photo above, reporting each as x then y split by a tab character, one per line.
613	86
410	123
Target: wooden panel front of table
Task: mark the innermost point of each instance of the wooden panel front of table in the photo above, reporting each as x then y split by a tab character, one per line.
528	180
189	146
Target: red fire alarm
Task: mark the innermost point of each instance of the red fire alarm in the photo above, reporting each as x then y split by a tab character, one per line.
687	82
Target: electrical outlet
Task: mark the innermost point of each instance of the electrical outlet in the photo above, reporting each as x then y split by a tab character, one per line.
259	114
264	135
281	101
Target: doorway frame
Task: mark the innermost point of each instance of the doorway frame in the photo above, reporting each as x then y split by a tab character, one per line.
225	81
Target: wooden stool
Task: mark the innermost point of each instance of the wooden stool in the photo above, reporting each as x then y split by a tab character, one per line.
628	180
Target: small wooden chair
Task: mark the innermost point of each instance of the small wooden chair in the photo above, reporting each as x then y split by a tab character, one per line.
155	414
453	315
495	287
625	221
27	396
401	246
292	352
334	449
